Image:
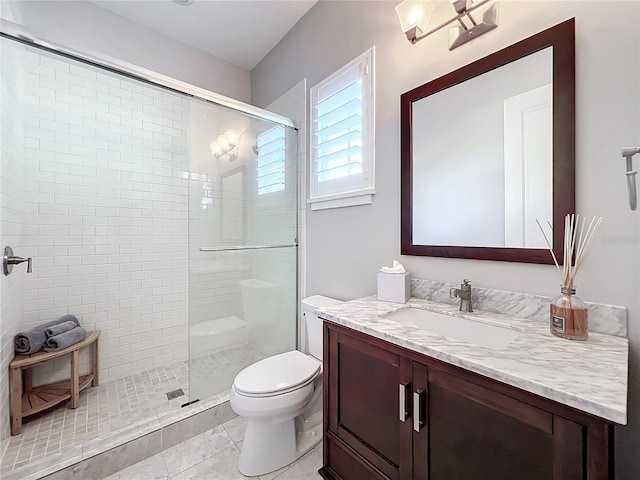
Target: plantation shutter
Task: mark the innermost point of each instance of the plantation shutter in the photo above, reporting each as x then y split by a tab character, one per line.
342	147
270	161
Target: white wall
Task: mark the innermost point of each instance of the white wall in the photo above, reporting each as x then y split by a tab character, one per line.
346	246
213	281
86	27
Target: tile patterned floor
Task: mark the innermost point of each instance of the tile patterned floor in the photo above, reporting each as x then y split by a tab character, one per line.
214	455
109	409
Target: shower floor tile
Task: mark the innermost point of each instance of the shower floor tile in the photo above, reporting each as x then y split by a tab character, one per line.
120	409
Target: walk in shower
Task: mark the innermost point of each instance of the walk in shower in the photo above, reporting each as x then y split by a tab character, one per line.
161	214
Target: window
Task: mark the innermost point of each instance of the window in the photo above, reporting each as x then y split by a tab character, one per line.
342	160
270	161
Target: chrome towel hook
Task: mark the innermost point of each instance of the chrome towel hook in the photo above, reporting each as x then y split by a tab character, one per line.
628	153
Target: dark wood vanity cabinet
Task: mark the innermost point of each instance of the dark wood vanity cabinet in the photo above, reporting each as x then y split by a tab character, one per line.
391	413
362	409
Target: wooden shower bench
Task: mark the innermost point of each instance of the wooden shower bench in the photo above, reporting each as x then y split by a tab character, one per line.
27	400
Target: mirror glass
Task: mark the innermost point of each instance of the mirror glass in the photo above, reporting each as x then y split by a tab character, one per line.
498	150
486	152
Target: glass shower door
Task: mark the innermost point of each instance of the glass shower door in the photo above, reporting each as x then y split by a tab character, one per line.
242	245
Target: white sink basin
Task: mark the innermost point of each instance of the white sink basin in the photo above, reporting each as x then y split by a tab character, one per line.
457	328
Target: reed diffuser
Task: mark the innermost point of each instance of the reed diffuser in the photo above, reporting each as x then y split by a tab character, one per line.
569	317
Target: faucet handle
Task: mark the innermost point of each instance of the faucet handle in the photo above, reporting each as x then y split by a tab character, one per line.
466	281
9	260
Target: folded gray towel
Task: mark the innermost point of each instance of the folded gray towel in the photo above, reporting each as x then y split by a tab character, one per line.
31	341
65	339
60	328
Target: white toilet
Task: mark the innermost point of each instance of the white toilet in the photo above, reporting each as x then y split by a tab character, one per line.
281	397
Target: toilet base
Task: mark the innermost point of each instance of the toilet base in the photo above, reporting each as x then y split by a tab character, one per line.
283	445
269	444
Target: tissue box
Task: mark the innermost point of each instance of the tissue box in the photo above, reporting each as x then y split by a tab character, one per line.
394	287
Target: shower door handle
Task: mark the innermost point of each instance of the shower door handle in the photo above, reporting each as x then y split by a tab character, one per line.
245	247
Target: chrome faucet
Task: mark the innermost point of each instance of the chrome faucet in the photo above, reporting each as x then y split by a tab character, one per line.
9	260
464	294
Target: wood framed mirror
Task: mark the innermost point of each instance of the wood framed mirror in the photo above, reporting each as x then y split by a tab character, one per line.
487	150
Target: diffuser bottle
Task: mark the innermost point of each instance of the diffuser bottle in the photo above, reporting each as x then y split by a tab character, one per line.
569	316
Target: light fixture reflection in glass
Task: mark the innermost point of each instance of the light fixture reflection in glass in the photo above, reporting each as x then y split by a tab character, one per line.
225	144
215	149
232	136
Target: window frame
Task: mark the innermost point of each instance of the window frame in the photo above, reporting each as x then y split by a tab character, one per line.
347	195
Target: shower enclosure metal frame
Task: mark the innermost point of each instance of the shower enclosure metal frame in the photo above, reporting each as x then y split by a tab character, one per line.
18	33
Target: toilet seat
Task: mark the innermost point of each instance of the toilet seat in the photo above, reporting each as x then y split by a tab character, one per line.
277	375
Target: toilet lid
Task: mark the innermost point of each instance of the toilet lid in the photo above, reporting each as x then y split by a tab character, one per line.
277	373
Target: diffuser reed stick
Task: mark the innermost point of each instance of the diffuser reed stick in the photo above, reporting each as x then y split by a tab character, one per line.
575	256
575	245
569	314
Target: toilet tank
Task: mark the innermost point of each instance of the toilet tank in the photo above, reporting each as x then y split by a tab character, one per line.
313	323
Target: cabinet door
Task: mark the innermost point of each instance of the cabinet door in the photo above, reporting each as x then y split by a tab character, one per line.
477	433
364	410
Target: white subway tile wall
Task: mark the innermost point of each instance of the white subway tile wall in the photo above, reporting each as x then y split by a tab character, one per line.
214	290
12	142
106	201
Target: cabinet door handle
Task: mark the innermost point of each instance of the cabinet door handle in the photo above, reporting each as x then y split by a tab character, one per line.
418	419
403	412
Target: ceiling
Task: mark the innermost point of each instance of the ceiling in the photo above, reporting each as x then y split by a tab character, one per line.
241	32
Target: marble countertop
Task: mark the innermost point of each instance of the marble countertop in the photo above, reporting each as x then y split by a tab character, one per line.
590	376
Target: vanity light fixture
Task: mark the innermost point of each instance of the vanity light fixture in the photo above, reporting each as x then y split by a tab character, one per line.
225	144
414	16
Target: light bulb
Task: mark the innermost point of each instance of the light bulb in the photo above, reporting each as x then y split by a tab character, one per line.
415	15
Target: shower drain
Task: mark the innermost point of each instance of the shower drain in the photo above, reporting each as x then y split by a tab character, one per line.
174	394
